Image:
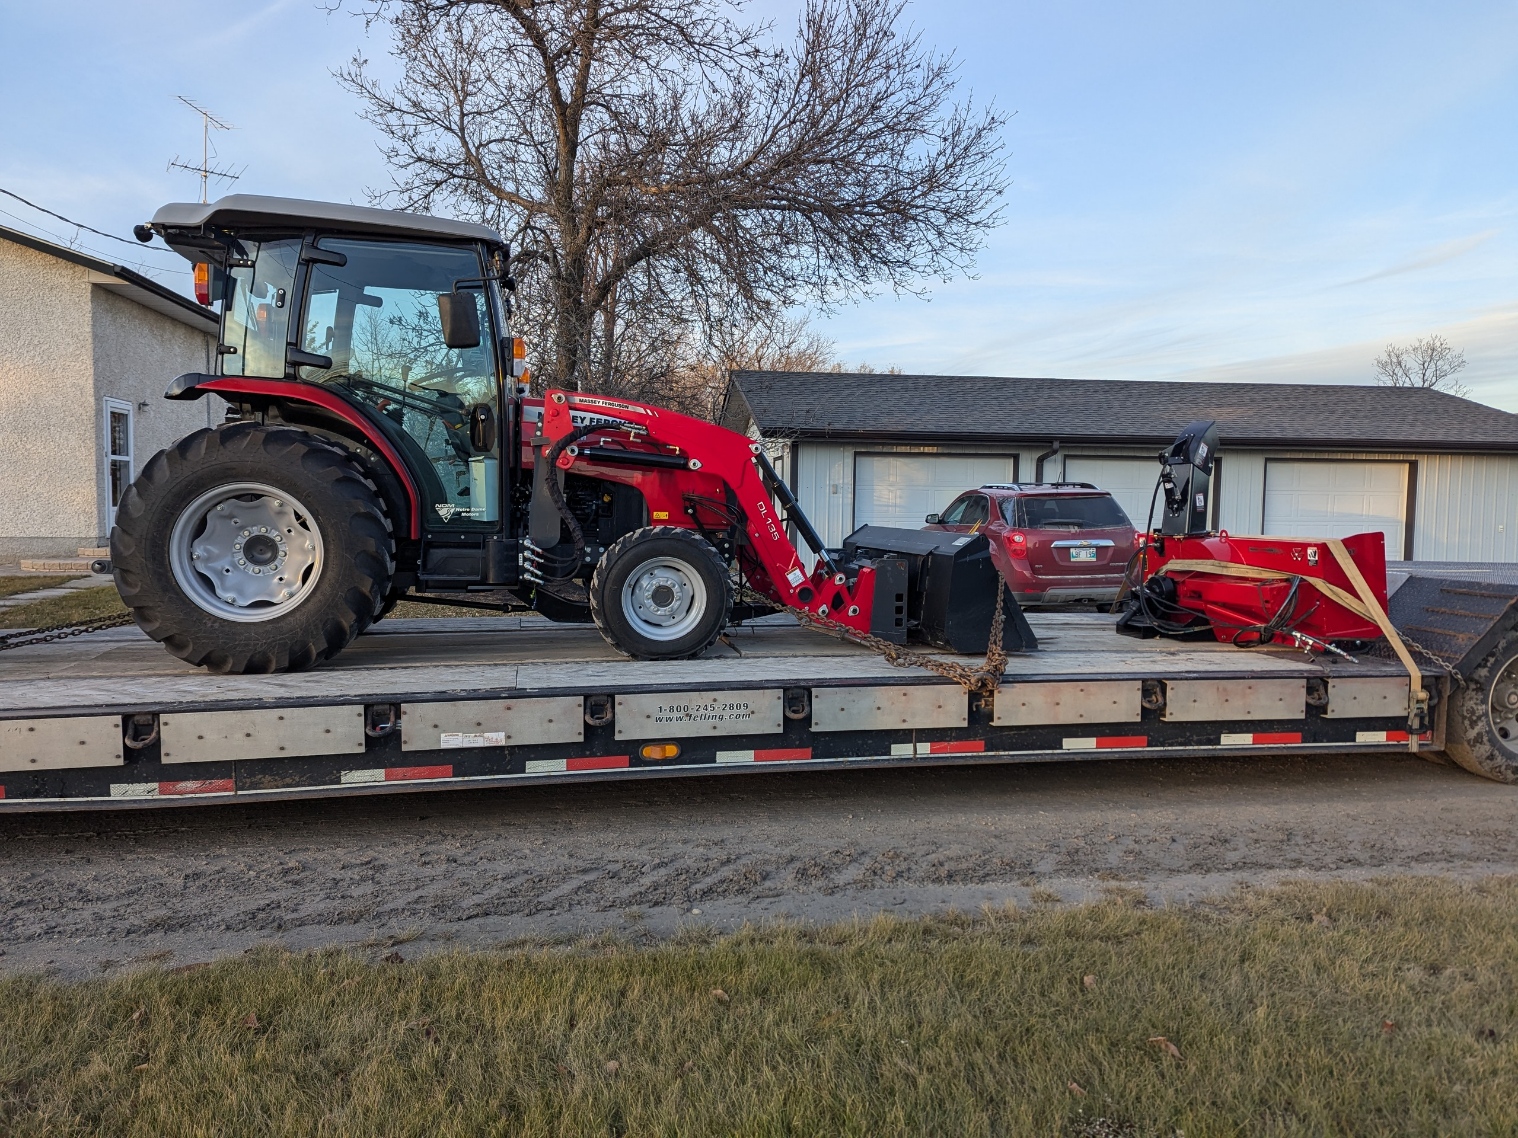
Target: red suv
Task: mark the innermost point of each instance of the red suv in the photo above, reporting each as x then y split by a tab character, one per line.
1055	543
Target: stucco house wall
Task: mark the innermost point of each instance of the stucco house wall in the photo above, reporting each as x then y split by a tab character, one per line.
72	336
136	353
47	406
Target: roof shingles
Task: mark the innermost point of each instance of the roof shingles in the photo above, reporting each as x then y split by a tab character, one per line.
943	408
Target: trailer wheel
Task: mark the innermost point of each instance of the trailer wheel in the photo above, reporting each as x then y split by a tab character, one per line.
1482	728
661	593
252	549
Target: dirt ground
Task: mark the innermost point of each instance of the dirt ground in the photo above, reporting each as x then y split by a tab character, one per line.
86	894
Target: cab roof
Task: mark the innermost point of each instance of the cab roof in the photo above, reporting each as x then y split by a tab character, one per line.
237	212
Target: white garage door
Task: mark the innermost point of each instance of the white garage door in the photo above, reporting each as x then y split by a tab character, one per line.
1129	480
1336	499
901	489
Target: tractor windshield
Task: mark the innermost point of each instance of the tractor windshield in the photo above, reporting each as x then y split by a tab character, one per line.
256	309
377	318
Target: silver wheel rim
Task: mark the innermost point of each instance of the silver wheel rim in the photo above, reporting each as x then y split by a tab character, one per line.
1502	707
246	552
664	599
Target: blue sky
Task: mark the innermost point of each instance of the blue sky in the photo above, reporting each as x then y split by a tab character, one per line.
1200	190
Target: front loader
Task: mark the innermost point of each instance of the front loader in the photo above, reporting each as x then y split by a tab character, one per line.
379	444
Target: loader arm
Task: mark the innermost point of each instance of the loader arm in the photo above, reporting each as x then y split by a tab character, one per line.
712	457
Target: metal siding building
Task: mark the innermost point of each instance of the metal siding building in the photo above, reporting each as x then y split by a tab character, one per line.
1437	474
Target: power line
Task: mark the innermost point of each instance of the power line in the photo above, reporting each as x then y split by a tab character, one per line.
73	243
60	217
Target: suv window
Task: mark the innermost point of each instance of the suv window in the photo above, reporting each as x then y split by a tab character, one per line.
967	511
1065	511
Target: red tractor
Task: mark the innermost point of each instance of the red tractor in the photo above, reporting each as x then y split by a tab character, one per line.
379	443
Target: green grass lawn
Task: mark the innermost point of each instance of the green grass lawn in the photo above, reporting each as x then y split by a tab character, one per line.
80	605
10	586
1385	1008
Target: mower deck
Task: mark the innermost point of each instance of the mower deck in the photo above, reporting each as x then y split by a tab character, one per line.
512	700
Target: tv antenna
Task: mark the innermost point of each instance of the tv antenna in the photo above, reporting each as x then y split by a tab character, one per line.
208	123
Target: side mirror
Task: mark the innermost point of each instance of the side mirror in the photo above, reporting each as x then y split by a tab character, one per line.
461	320
933	519
481	427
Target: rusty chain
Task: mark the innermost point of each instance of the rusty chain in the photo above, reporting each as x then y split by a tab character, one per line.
1444	665
25	637
982	679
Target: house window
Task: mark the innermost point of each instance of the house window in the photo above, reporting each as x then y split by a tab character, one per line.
118	455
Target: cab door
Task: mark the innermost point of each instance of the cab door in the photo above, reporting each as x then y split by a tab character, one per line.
373	326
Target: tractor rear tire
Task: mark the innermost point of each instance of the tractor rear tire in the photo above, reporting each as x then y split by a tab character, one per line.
1481	727
661	593
252	549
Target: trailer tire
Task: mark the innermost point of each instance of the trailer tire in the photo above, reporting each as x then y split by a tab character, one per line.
1478	736
318	573
661	593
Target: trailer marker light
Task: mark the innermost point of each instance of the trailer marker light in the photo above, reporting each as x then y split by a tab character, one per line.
203	282
1261	738
772	755
660	750
1107	742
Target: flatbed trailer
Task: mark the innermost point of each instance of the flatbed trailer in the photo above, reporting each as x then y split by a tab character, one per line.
109	720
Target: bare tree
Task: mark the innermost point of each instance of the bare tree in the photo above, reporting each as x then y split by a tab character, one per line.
1428	361
672	176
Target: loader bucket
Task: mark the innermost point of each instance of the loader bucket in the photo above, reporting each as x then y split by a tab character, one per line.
937	588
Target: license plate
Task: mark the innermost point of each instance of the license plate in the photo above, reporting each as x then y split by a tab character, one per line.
1083	554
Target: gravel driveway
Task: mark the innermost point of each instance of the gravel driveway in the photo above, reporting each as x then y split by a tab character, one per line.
87	894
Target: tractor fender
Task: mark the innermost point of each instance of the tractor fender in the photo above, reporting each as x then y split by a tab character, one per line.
194	385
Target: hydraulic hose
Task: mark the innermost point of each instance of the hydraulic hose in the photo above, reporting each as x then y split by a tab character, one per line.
556	493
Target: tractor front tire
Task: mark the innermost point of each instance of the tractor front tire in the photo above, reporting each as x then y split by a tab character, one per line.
1481	727
252	549
661	593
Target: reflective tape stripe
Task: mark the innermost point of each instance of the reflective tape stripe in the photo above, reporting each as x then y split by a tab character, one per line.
1107	742
589	763
396	774
946	747
1390	737
770	755
186	788
1262	738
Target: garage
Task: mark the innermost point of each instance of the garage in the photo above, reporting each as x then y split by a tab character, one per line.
902	489
1129	480
1337	499
1435	473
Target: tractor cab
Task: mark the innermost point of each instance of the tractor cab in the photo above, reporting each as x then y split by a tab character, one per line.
401	323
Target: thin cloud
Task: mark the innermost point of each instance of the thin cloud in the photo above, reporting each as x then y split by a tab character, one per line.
1438	255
